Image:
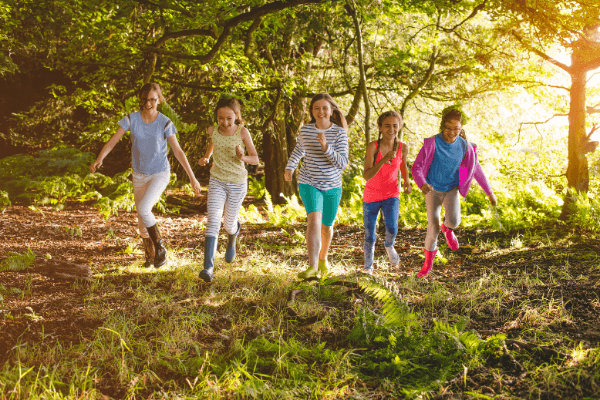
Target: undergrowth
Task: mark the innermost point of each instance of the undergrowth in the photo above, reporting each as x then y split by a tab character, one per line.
244	337
51	177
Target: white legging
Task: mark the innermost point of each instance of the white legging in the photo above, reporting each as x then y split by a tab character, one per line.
434	201
146	192
228	197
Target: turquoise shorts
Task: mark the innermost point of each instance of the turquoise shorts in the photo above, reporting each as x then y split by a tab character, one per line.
324	201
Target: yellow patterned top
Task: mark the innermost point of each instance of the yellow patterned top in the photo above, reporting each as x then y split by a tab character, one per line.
226	166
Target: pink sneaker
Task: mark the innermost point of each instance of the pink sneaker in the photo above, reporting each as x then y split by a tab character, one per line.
450	237
428	264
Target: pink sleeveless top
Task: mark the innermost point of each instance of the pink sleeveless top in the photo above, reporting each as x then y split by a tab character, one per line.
384	185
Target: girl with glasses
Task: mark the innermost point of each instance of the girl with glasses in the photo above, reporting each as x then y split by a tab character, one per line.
444	169
151	133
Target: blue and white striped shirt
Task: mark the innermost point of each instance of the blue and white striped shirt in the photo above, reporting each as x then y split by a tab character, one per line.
323	170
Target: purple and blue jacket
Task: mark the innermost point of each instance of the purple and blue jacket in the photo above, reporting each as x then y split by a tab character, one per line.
469	168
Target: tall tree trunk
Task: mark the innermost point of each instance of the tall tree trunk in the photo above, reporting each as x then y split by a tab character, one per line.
577	172
578	176
275	153
361	68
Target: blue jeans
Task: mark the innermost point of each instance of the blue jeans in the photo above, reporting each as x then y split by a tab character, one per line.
390	208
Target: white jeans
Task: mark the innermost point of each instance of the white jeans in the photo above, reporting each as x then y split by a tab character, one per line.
147	189
434	201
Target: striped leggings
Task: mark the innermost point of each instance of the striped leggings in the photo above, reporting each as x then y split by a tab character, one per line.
227	197
146	192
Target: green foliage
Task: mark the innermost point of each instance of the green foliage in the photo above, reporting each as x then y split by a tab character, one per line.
4	200
351	207
404	353
53	177
256	187
17	261
395	311
585	212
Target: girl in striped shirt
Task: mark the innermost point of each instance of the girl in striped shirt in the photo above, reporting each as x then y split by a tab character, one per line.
323	144
228	179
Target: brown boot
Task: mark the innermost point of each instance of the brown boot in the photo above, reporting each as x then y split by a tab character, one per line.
160	252
148	251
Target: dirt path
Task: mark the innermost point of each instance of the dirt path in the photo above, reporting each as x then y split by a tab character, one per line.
53	310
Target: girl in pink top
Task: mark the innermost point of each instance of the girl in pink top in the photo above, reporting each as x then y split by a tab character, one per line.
385	157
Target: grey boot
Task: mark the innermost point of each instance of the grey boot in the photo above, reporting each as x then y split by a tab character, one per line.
231	239
148	251
160	252
210	247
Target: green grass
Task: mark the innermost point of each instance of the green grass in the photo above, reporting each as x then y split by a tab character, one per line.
163	334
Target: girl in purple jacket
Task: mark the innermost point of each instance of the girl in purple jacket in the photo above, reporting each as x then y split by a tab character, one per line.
445	168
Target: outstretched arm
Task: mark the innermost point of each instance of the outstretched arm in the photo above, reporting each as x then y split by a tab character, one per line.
107	149
180	155
209	150
294	159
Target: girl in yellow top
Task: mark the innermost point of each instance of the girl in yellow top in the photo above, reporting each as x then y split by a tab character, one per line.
228	179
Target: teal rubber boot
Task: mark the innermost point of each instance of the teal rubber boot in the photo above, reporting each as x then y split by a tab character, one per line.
210	248
231	239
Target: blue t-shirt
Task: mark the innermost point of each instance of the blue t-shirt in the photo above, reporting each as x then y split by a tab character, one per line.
149	142
443	171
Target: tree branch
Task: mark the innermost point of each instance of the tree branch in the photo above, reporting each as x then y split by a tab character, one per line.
210	88
470	16
435	55
351	8
188	32
227	25
334	94
203	58
354	107
167	6
536	123
248	43
593	64
541	53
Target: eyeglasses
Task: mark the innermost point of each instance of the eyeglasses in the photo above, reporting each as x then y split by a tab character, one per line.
153	101
449	130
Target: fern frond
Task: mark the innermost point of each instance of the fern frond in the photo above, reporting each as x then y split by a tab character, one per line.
18	262
181	126
395	311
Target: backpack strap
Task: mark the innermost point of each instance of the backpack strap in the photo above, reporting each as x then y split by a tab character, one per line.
167	125
465	148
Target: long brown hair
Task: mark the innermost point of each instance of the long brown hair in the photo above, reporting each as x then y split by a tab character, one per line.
146	89
337	117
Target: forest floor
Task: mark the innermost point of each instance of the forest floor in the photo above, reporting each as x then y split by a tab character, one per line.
258	332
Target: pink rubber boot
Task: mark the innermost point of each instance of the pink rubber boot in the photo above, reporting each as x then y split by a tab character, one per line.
428	264
450	237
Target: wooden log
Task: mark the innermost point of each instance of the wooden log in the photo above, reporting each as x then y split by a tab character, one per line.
58	269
